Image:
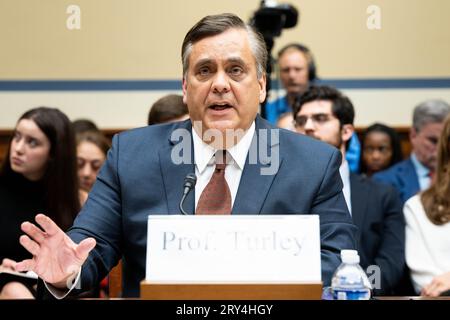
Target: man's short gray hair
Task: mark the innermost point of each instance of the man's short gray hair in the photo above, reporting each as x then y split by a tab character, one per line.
216	24
430	111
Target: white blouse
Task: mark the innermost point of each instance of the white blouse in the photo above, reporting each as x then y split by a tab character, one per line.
427	245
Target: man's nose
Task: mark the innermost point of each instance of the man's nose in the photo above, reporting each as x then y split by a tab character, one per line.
309	125
221	82
292	74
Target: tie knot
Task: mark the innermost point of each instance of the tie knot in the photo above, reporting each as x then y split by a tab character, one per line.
222	159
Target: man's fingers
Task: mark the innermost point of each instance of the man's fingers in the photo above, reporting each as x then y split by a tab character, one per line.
47	224
25	265
84	247
34	232
31	246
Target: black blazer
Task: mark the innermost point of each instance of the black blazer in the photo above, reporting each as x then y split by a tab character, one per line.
377	212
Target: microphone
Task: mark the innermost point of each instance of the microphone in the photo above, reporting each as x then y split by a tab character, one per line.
189	183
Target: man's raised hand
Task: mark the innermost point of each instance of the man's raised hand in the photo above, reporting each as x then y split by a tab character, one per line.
56	258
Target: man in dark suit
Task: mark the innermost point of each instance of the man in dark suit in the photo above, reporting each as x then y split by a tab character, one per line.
414	174
325	114
223	84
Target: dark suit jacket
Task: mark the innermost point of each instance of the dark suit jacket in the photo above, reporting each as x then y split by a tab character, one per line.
403	177
377	212
139	178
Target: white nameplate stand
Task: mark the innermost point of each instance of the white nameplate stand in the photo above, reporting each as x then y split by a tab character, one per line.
240	257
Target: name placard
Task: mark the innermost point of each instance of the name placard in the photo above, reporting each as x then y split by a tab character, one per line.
246	248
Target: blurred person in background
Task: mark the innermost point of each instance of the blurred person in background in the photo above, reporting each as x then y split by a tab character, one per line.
427	218
92	148
169	108
38	175
381	149
414	174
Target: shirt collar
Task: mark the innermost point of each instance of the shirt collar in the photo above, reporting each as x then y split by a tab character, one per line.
203	152
421	170
344	170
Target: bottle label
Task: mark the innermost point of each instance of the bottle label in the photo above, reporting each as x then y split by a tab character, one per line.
342	294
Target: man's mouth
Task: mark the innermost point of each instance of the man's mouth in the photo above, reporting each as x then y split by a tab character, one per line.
220	107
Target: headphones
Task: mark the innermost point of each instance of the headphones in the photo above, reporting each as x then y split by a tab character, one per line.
312	76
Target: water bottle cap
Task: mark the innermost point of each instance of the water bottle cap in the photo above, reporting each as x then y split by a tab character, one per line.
349	256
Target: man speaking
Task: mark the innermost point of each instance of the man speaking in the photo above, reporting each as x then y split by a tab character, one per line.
224	82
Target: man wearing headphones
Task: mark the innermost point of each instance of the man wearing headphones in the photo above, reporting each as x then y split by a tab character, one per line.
297	72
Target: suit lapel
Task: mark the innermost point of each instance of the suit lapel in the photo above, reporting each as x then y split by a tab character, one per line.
359	192
173	174
254	185
410	178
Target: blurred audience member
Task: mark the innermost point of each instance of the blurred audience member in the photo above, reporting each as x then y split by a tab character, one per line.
38	175
326	114
286	121
83	125
297	71
414	174
92	148
381	149
428	228
170	108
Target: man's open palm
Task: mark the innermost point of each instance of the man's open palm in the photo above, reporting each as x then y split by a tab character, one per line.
56	258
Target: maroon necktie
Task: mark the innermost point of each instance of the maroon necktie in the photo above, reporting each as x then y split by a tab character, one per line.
216	197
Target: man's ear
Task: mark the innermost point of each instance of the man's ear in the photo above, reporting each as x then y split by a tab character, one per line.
262	89
412	134
184	86
347	132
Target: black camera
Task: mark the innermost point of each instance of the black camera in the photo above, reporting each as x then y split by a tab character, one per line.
271	18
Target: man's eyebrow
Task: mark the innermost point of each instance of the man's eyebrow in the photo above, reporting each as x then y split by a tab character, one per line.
203	62
317	114
236	60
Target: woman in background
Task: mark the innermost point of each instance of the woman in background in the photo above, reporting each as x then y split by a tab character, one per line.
380	149
427	218
92	147
38	176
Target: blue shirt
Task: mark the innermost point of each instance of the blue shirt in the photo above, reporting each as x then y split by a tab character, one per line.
276	108
423	173
353	153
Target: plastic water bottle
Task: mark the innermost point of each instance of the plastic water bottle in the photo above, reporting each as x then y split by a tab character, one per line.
349	281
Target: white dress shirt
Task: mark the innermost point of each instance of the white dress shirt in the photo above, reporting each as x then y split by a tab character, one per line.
427	246
205	163
344	170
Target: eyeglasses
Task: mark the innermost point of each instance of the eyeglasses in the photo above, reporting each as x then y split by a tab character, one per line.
317	119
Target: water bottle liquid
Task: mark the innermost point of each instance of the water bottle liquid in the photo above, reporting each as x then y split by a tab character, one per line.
349	281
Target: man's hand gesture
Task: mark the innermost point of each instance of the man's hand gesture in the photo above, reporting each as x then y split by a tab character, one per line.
56	258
